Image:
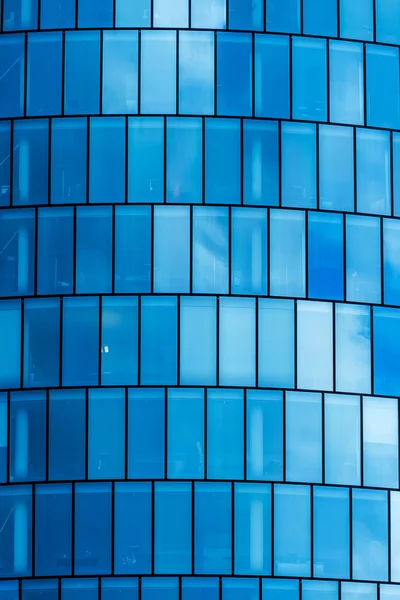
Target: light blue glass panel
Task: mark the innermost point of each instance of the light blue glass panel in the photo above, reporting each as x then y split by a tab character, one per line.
53	532
199	588
79	589
12	75
246	15
158	342
234	74
198	345
170	13
303	437
260	158
16	515
380	442
319	590
20	14
213	528
309	95
272	76
320	18
93	249
184	160
196	72
171	249
225	433
336	168
325	256
106	434
208	14
41	342
119	340
264	441
370	534
314	345
292	537
133	14
222	161
132	249
386	351
173	537
10	348
68	160
158	72
283	15
107	160
342	439
391	266
394	536
120	72
210	250
237	341
80	341
27	436
299	160
44	74
346	82
280	589
30	161
389	592
57	15
5	163
55	250
132	528
373	172
82	72
331	532
287	253
275	343
363	260
252	529
145	162
146	433
382	76
387	21
3	436
99	14
353	348
396	172
17	239
249	251
67	434
123	588
185	435
160	588
40	588
357	19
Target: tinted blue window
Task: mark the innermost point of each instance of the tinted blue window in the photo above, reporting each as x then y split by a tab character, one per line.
17	238
9	590
320	18
171	249
396	172
158	71
309	94
319	590
370	534
124	588
28	436
287	253
196	72
82	72
68	160
5	163
93	249
260	158
146	160
132	249
170	13
299	156
16	549
303	437
246	15
20	14
44	74
342	439
10	353
119	340
373	171
209	14
380	441
199	588
363	269
361	591
31	163
95	15
249	251
383	101
46	588
184	160
264	452
57	15
128	14
79	589
276	343
158	340
234	75
283	15
55	251
12	64
3	436
315	345
198	330
353	348
391	249
107	160
280	589
222	162
237	347
271	63
160	588
356	19
325	255
386	351
336	168
120	72
387	21
346	74
210	250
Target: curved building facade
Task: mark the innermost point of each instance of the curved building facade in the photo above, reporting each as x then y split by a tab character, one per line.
199	300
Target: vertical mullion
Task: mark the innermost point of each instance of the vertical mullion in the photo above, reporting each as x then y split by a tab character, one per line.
101	70
26	49
73	491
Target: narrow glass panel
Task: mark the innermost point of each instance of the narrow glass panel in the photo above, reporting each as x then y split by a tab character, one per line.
249	251
210	250
391	252
158	342
373	172
146	159
132	249
260	168
380	442
394	536
119	340
28	436
5	163
107	160
315	345
237	347
275	343
196	72
336	168
222	161
363	260
264	421
382	78
31	162
120	72
353	348
346	82
198	342
342	439
16	515
12	75
3	436
234	74
171	249
93	249
303	437
331	532
10	348
325	256
309	96
44	74
292	541
271	64
299	157
386	351
17	239
82	72
184	160
68	160
158	72
55	251
287	253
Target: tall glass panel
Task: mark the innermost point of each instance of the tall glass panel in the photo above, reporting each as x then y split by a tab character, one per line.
158	71
303	437
196	72
309	96
299	156
363	268
234	74
380	442
287	253
342	439
373	171
315	345
271	71
346	73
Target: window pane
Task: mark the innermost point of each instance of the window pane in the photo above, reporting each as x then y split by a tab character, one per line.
342	439
146	159
249	251
356	19
119	340
383	103
158	71
3	436
10	352
120	72
336	168
246	15
315	345
264	452
260	157
20	14
386	351
196	72
198	343
299	156
320	18
380	442
171	249
222	161
107	160
82	72
17	239
346	73
309	79
184	160
210	250
44	74
68	161
363	277
16	514
373	172
158	340
55	251
209	14
12	70
171	13
93	249
28	436
132	249
287	253
132	14
5	163
394	536
31	162
283	15
391	250
95	15
275	343
57	15
234	74
280	589
271	64
358	591
353	348
325	256
303	437
387	19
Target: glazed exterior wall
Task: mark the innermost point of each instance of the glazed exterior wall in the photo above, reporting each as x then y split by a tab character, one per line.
199	300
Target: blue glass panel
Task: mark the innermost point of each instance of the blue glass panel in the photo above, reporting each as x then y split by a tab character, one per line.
386	351
41	342
276	343
240	589
184	160
283	15
185	435
252	529
292	538
120	72
336	168
146	159
370	534
210	250
68	160
264	441
95	15
246	15
319	590
287	253
320	18
249	249
3	436
353	348
234	74
171	262
387	21
28	436
309	95
303	437
208	14
299	158
40	588
30	161
57	15
55	251
260	158
394	536
53	530
389	592
213	528
315	345
67	434
346	79
160	588
119	340
133	14
12	70
199	588
132	249
79	589
271	64
357	19
380	442
10	348
158	362
363	268
82	72
237	341
280	589
173	537
146	433
196	72
158	71
17	239
16	515
107	160
106	434
391	250
44	74
170	13
5	162
222	161
93	249
342	439
225	443
20	14
198	326
9	590
123	588
373	171
383	102
325	256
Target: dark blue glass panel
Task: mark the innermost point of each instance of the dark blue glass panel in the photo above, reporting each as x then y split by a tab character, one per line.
3	436
107	160
325	256
196	72
16	514
28	436
82	72
57	15
309	95
10	352
260	158
158	340
79	589
20	14
271	63
222	162
184	160
320	18
93	249
146	159
357	19
283	15
30	162
119	340
234	74
386	351
55	251
40	588
44	74
68	160
123	588
17	239
120	72
98	14
5	163
246	15
280	589
199	588
9	590
12	65
132	249
160	588
240	589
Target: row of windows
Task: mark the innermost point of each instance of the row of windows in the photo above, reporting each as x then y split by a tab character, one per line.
194	160
151	433
230	74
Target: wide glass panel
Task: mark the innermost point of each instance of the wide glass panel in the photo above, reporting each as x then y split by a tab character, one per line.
20	14
280	589
170	13
132	14
95	15
57	15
